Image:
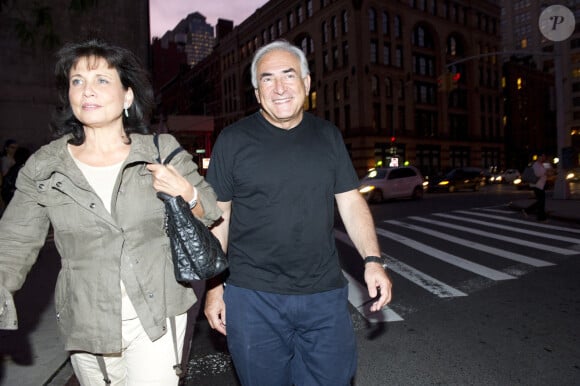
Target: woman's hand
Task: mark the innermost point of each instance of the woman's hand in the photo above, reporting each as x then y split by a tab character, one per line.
167	179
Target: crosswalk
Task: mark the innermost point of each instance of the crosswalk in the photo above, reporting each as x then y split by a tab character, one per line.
479	245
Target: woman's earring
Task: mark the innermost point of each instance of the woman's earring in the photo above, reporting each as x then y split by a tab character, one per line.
126	112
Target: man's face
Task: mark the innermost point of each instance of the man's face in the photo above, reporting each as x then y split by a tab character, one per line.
282	88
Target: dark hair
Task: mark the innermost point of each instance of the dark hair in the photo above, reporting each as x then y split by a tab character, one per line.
131	72
7	144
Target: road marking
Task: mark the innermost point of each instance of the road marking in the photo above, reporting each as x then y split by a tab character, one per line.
358	296
525	222
447	257
471	244
513	240
429	283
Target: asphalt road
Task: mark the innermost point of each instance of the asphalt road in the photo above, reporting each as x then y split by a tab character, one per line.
492	300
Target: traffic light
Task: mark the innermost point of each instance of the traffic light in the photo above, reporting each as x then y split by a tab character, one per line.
454	80
393	139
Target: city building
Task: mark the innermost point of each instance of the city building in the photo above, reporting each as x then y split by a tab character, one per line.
415	81
194	35
522	40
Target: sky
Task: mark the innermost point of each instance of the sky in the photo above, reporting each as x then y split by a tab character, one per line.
166	14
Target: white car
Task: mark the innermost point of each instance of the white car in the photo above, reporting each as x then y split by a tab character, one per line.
388	183
510	175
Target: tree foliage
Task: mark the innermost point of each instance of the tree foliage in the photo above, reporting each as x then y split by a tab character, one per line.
33	20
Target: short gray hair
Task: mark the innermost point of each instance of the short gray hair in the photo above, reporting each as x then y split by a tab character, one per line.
281	45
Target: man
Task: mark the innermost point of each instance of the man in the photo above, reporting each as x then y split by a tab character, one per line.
276	174
539	188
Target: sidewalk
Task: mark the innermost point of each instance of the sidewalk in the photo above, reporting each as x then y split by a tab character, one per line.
565	210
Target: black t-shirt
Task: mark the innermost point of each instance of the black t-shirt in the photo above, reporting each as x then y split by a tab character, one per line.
282	184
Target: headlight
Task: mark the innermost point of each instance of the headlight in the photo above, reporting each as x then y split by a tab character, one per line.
366	189
443	183
517	181
570	176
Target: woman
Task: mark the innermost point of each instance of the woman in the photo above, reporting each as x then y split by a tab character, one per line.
118	305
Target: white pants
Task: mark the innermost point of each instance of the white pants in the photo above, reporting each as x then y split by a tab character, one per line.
141	361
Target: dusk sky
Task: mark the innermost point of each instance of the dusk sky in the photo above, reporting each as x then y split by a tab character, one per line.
166	14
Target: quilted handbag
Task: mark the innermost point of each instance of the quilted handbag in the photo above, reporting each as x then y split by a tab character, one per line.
197	254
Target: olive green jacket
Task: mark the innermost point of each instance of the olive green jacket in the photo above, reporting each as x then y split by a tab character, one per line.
98	249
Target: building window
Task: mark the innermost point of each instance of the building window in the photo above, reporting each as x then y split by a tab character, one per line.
309	8
375	86
388	87
372	20
386	54
385	23
346	88
397	26
336	90
279	28
335	57
290	17
344	22
334	26
399	56
300	13
324	32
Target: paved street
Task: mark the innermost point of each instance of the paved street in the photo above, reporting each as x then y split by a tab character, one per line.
483	295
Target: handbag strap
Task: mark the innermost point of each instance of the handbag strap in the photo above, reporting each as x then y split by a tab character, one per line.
169	157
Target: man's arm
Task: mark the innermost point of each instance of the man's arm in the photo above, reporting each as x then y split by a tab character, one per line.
359	224
215	308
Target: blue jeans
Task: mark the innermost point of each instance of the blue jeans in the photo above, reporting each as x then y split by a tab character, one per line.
283	340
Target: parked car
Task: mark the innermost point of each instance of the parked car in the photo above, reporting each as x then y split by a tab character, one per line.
510	175
458	179
388	183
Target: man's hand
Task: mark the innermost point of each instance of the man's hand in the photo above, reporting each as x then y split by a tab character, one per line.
378	282
215	308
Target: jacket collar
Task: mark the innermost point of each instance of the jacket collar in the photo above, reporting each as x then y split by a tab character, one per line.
55	157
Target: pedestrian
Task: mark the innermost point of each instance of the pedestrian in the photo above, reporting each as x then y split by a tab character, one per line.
277	174
119	308
539	188
9	180
7	157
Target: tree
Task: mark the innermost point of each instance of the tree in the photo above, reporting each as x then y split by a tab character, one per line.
33	20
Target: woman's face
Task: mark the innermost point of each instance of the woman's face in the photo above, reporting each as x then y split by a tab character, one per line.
96	94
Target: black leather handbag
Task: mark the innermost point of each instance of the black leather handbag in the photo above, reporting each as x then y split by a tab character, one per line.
197	254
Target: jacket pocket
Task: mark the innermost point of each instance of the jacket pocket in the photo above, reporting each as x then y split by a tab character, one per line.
62	300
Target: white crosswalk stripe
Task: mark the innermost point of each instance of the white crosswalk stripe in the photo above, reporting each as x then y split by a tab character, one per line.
447	257
409	235
472	244
513	240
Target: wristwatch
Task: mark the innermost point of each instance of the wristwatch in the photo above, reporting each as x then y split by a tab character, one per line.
376	259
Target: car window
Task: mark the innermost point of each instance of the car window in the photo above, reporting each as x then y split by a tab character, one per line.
394	174
408	172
